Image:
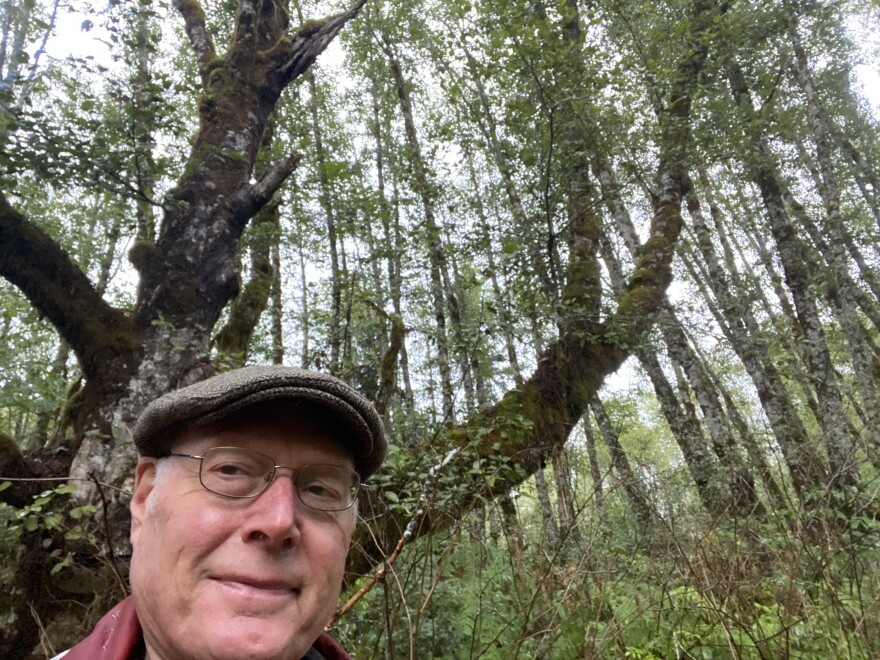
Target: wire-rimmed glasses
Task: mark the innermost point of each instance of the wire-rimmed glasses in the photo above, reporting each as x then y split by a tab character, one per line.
241	473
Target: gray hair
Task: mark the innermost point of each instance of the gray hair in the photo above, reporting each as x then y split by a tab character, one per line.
163	466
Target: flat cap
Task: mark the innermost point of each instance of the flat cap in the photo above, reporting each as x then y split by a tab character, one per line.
216	397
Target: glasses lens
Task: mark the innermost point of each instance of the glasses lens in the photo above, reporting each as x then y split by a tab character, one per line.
327	487
236	472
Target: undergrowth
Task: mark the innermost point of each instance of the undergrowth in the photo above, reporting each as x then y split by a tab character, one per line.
780	586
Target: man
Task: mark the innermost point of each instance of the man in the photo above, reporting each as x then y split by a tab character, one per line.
243	508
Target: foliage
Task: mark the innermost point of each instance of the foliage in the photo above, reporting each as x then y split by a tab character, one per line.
53	529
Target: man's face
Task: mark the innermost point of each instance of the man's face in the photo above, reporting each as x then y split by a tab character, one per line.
214	577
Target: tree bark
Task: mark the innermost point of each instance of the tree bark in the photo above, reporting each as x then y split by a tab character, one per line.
794	258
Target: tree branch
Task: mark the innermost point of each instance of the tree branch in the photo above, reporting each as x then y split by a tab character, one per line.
310	41
252	198
56	286
199	38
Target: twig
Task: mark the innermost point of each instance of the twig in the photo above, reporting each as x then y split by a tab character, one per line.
110	486
407	536
111	552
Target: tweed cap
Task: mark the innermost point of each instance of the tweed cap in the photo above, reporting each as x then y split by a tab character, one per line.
216	397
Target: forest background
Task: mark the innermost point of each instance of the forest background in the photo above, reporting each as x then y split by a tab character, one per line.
609	270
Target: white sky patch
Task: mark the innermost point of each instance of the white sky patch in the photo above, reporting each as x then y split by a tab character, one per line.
869	77
79	35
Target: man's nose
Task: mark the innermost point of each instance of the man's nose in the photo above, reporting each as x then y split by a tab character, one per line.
274	515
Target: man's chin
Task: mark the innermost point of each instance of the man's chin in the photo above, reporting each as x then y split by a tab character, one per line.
253	638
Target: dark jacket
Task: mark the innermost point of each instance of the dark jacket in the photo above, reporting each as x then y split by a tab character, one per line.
118	635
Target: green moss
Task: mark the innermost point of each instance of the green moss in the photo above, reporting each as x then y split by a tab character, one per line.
282	46
215	63
310	26
219	79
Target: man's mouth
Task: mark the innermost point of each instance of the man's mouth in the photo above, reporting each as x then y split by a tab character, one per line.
246	585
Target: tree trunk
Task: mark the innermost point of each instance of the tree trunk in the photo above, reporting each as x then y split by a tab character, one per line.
595	471
795	258
436	253
638	500
548	517
326	199
276	307
565	501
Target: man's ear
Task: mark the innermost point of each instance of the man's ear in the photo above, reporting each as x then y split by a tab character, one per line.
144	481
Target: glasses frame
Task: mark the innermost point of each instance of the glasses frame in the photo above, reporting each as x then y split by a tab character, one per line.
294	476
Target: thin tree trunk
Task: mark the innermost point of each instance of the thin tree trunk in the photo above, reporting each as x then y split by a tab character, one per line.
143	119
595	472
638	500
276	307
393	250
305	320
436	253
326	200
565	501
548	517
795	257
864	175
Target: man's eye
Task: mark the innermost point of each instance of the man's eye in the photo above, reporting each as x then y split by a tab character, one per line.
322	490
234	470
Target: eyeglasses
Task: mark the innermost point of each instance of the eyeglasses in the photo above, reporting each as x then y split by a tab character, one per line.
241	473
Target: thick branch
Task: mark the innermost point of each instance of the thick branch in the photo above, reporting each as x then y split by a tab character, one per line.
56	286
310	41
199	38
253	198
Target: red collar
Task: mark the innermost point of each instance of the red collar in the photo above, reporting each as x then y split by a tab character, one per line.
113	638
118	633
